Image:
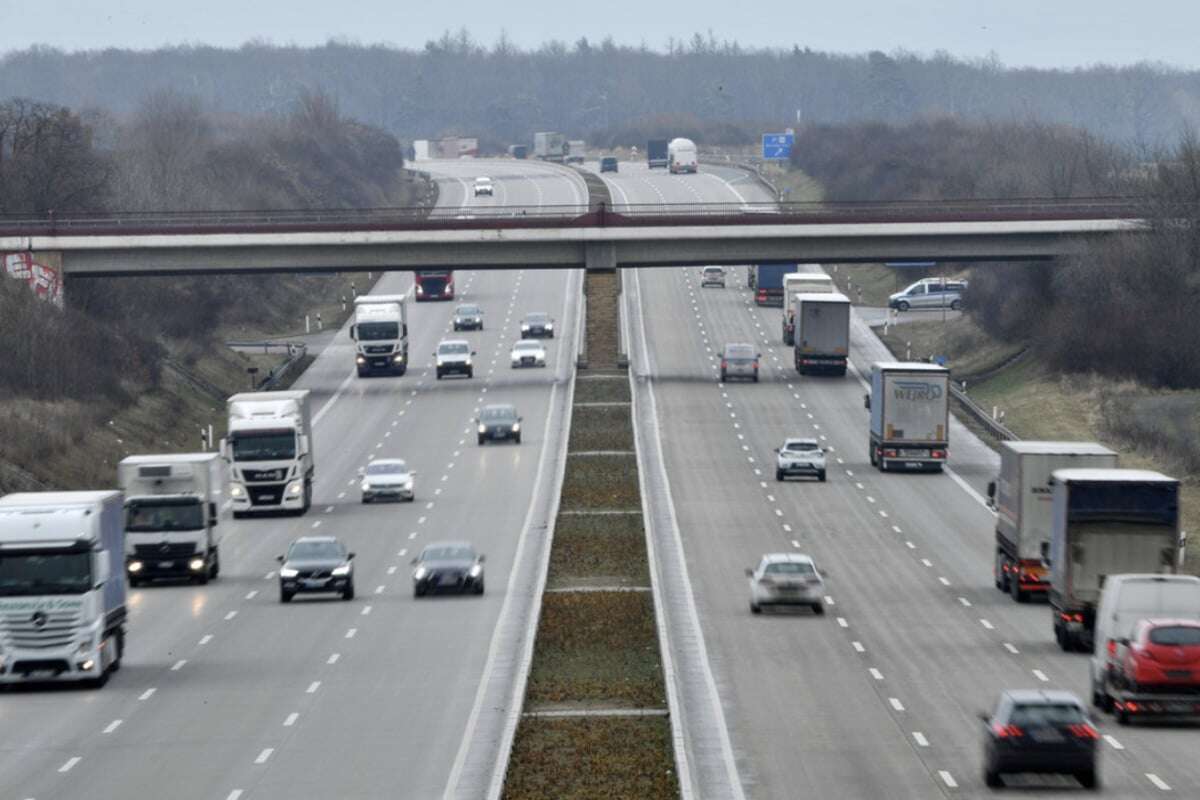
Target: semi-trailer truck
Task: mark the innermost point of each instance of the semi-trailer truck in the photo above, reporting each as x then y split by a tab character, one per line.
767	282
269	450
1022	496
1106	522
433	284
682	156
172	510
62	586
656	153
576	151
550	146
822	335
910	415
380	333
793	284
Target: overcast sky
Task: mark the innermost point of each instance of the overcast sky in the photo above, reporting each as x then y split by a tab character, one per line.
1047	33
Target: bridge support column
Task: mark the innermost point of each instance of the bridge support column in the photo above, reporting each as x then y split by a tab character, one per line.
600	256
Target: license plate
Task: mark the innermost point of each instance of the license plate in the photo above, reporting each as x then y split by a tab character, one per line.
1047	736
914	453
312	583
166	564
1179	708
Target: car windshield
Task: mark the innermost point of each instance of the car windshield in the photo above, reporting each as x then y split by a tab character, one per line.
453	349
801	447
264	446
739	352
30	574
713	269
536	318
468	311
389	468
483	180
164	515
378	331
790	568
301	551
498	413
1178	635
528	346
448	553
1043	714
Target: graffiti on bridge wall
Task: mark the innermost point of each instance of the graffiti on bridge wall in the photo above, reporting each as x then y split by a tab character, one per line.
42	271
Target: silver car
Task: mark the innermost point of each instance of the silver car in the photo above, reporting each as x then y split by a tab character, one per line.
786	579
528	353
800	457
712	276
930	293
387	478
740	361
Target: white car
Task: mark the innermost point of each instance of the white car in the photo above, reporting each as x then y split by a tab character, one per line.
387	478
484	186
528	353
786	579
453	357
800	457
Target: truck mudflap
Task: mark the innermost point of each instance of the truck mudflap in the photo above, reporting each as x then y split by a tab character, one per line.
834	365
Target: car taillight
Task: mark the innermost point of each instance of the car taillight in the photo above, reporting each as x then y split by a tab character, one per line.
890	453
1112	647
1071	617
938	454
1082	730
1007	731
724	364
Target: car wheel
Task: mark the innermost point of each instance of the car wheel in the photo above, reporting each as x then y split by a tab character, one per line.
818	608
418	590
992	779
348	594
240	515
778	474
285	597
1014	587
956	305
362	373
902	306
479	587
481	439
517	439
439	374
1088	779
755	608
135	582
724	378
366	499
201	579
98	682
821	476
471	373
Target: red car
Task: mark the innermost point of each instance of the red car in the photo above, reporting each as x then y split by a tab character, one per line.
1162	653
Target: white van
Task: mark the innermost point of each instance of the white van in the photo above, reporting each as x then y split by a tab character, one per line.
1127	599
682	156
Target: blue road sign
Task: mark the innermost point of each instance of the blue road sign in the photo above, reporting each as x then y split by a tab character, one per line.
777	145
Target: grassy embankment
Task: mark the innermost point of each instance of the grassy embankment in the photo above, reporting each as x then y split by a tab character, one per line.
597	646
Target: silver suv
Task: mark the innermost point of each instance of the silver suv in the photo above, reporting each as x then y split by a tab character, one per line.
453	357
800	457
740	361
712	276
786	579
930	293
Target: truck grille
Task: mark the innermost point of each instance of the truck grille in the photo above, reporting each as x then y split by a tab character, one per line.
381	350
57	629
164	550
265	495
258	475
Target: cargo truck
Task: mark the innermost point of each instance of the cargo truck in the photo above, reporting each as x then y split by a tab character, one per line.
656	153
822	333
796	282
269	452
910	415
62	586
380	334
518	151
1105	522
576	151
682	156
1023	496
767	283
433	284
1133	684
549	146
172	510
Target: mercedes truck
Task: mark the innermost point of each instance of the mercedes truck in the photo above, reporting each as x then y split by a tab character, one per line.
910	416
172	509
822	335
62	587
380	334
269	452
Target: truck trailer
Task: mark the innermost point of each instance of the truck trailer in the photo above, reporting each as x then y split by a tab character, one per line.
656	153
269	451
1106	522
380	334
815	282
62	586
910	415
1023	497
550	146
822	335
172	510
767	282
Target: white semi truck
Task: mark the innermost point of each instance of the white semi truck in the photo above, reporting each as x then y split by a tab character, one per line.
795	283
550	146
1022	496
1106	522
380	334
62	586
269	450
172	510
910	415
822	334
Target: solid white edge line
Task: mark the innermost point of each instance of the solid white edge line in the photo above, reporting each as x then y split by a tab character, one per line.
683	766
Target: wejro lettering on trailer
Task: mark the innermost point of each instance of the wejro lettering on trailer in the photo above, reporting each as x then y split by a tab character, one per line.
916	391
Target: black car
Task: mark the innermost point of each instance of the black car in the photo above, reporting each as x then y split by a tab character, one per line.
1042	732
499	422
608	164
468	318
447	567
535	324
316	564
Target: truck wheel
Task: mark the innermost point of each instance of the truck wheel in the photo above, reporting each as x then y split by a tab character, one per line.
1122	716
439	374
818	608
98	682
756	376
956	305
481	441
214	569
119	644
871	455
348	594
517	438
201	579
998	577
1014	585
285	597
362	373
240	515
471	373
992	778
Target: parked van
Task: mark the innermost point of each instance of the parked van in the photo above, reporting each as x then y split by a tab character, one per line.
930	293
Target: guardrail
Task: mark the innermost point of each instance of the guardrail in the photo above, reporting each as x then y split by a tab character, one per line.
980	415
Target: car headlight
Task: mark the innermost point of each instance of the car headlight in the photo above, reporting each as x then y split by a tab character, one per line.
344	569
439	361
288	572
483	428
236	491
516	427
467	362
420	289
476	571
360	359
135	566
420	573
524	328
549	326
196	564
295	489
366	487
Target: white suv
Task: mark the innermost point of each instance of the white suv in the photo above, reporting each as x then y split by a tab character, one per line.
483	186
786	579
800	457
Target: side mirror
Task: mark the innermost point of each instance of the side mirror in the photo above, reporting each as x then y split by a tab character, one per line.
749	572
474	353
279	559
991	492
867	402
350	556
776	449
1045	551
354	332
223	449
413	562
481	559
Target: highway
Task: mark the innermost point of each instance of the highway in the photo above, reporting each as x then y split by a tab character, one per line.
225	693
879	697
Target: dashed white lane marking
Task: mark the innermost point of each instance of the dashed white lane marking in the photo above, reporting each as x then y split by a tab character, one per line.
876	674
896	704
269	575
870	499
230	615
146	695
317	524
787	528
829	601
291	719
412	535
896	529
234	795
987	624
1150	776
427	507
178	665
341	495
206	638
910	545
391	570
944	580
333	658
367	609
778	512
421	520
858	647
858	486
927	562
770	498
112	726
850	473
948	779
328	509
264	755
1112	741
883	513
1010	648
965	601
312	687
795	543
1041	676
379	590
71	762
842	621
920	739
350	633
250	595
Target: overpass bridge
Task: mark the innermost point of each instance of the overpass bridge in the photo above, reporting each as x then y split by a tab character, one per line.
568	237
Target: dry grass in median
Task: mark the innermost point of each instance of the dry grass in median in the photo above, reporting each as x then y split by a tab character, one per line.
593	758
598	550
596	648
602	387
601	482
601	428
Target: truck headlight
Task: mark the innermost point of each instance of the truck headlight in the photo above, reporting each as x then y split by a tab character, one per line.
549	326
360	359
344	569
439	361
288	572
483	428
196	564
516	427
295	489
524	329
134	567
468	362
399	359
236	490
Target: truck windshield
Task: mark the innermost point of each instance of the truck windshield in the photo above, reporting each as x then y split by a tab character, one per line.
377	331
142	516
27	574
264	446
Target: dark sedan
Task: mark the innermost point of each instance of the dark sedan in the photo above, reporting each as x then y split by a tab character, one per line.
1040	732
448	567
316	564
499	422
468	318
537	324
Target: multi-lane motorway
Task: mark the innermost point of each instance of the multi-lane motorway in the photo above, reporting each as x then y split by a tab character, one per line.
226	693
